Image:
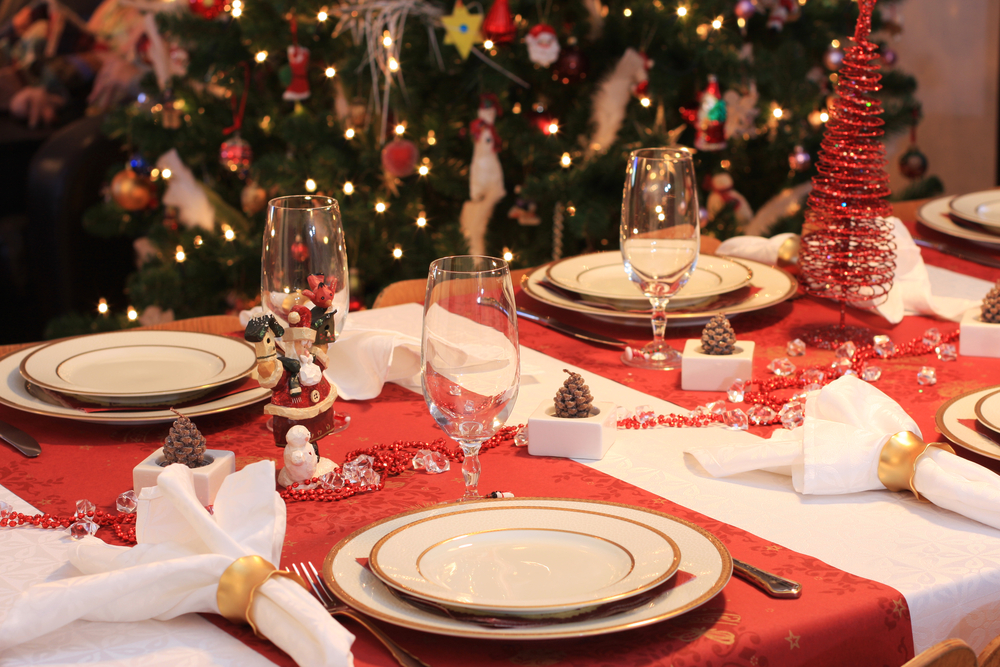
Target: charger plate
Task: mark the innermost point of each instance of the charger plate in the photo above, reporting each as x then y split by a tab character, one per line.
138	366
949	419
768	286
702	555
14	394
524	560
982	208
601	275
988	411
934	214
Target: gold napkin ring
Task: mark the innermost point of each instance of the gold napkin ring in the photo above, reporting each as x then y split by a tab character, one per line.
240	582
897	462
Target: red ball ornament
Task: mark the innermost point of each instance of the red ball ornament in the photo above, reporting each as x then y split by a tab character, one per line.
913	163
799	160
207	9
399	157
131	191
300	251
498	24
889	57
833	58
745	9
235	154
571	67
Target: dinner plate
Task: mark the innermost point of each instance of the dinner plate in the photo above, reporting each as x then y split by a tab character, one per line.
934	214
963	407
702	555
601	275
138	366
524	560
983	208
14	393
988	411
768	286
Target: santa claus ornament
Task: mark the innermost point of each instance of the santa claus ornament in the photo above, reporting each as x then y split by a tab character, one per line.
709	119
543	45
298	63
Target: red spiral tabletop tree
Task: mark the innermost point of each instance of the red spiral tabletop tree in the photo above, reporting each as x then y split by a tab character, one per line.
848	253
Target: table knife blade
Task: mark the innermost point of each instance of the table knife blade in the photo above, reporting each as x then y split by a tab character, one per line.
571	330
961	253
19	440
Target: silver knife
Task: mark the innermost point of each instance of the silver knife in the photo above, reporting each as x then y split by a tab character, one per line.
772	584
961	253
571	330
19	440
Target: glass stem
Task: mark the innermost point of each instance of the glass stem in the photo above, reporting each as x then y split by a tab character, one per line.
659	318
471	468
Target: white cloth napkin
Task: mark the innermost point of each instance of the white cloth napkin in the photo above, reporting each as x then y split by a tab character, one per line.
175	569
837	448
911	286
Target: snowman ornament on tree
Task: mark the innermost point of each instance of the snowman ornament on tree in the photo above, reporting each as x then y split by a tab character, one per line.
486	187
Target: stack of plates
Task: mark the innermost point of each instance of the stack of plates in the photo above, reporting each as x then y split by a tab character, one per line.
973	217
527	568
597	285
972	420
142	373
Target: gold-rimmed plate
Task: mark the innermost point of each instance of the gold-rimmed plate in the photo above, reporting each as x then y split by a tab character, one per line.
982	208
936	215
703	557
138	367
524	560
960	409
988	411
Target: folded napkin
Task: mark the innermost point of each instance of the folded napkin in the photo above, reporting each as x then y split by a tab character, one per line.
911	286
845	443
174	569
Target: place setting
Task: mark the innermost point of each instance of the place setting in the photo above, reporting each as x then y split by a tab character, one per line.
972	421
972	217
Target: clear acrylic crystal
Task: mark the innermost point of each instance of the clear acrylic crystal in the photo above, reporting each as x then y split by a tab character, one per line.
85	507
795	348
700	411
431	461
781	367
5	509
360	472
812	386
851	372
736	391
332	480
883	346
644	413
927	376
932	337
840	366
761	414
126	502
946	352
716	407
799	396
846	350
735	420
521	437
622	414
812	376
792	415
871	374
82	528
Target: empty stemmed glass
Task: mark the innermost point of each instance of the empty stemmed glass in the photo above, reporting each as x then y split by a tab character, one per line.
304	263
659	239
470	360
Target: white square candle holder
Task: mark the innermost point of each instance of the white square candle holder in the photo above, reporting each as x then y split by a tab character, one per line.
977	338
207	479
715	372
572	437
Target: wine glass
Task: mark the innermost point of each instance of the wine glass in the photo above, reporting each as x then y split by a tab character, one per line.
304	237
469	356
659	239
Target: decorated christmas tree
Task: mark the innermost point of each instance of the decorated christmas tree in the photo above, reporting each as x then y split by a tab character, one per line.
443	128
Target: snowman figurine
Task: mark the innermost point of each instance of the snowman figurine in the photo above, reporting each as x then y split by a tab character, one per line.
302	461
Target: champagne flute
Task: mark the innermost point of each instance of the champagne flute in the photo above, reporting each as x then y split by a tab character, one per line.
304	237
659	239
469	356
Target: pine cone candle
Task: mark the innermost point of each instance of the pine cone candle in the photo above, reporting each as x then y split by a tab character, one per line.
991	305
718	336
184	444
573	399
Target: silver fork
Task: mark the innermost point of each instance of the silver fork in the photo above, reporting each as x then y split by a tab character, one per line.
336	608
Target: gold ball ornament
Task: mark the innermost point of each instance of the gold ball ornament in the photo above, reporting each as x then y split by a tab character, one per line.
252	198
131	191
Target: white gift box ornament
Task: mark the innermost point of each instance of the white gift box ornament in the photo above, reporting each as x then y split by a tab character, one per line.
714	372
976	337
576	438
207	478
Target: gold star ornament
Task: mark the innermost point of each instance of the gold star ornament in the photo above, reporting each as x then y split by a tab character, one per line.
462	28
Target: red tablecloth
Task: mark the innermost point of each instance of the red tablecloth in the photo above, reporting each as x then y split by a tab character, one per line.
841	619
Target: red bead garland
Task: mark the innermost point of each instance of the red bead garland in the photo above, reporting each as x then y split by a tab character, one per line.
123	524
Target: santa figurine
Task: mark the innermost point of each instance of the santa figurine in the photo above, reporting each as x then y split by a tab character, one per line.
709	119
302	460
543	45
300	394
